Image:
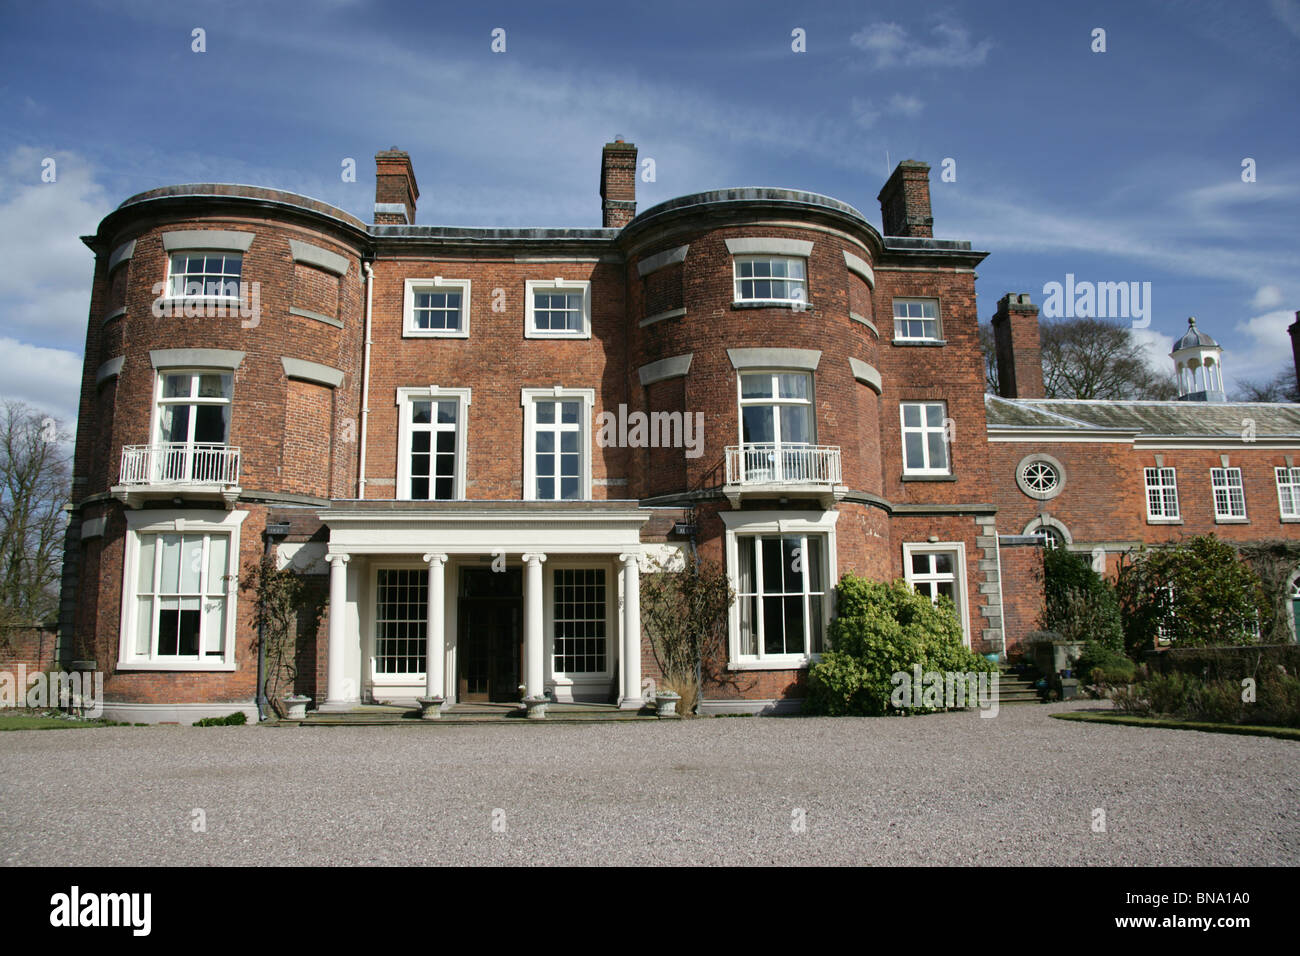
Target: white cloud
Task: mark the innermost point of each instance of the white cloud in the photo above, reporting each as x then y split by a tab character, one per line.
1156	347
1268	347
47	379
45	285
889	44
1267	297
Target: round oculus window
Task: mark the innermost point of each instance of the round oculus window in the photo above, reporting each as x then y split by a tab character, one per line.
1040	476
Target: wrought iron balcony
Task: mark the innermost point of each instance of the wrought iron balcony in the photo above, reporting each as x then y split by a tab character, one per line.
784	469
177	467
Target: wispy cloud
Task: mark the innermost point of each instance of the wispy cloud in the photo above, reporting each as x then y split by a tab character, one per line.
866	113
891	45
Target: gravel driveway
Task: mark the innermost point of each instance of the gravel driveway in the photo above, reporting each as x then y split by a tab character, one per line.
948	788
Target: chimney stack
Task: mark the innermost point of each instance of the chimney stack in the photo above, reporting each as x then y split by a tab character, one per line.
1294	330
905	201
1018	346
618	183
395	188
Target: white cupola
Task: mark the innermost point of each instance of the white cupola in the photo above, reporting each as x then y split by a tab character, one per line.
1198	364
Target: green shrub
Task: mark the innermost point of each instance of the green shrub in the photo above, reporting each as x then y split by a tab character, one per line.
1188	697
1194	594
1102	665
880	630
1079	603
230	720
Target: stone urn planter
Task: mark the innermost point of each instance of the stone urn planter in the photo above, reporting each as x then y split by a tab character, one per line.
430	707
666	703
296	705
536	707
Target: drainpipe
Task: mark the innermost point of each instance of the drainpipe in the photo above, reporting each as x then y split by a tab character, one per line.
365	380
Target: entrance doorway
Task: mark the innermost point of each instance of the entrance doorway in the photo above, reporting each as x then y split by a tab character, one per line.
489	621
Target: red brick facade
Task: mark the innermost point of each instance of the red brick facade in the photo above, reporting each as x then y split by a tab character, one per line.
666	330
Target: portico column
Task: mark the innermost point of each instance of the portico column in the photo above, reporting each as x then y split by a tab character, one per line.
534	675
336	693
434	639
631	699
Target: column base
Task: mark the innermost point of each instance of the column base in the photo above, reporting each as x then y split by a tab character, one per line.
337	706
631	703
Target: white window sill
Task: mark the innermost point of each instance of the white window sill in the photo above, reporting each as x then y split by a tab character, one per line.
793	663
798	305
160	665
399	680
902	341
1290	519
1231	520
1164	520
435	334
534	334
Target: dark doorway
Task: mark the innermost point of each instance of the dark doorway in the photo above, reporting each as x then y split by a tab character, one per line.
489	621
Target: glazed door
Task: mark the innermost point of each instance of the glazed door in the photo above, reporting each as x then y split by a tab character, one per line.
490	635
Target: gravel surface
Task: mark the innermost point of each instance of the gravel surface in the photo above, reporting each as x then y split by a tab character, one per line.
948	789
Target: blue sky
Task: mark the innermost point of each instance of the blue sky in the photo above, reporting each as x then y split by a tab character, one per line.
1115	166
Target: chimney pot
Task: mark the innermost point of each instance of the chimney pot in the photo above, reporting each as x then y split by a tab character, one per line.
395	187
905	201
618	183
1018	347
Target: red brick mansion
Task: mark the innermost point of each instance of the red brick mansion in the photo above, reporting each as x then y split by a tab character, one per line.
477	440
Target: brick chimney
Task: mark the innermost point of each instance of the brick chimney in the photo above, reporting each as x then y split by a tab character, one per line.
1018	347
395	189
905	201
1294	329
618	183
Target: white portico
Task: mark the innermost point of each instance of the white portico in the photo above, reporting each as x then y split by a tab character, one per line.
475	600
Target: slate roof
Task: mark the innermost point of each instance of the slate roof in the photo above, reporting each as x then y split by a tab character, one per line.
1192	419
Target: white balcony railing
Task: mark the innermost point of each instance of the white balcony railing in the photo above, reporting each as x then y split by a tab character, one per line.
176	463
769	464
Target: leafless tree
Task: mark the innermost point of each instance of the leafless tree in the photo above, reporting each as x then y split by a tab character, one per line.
1281	387
34	488
1088	358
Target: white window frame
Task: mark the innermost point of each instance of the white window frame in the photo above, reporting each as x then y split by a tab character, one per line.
1222	481
377	677
160	376
1287	478
570	286
140	523
775	402
740	524
613	633
924	430
528	398
405	398
203	298
938	319
956	548
1161	474
800	299
434	285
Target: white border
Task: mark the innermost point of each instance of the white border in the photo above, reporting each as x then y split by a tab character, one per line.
777	522
436	284
963	589
527	398
176	522
557	284
404	398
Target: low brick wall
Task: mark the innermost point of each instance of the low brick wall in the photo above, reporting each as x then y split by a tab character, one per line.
32	647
